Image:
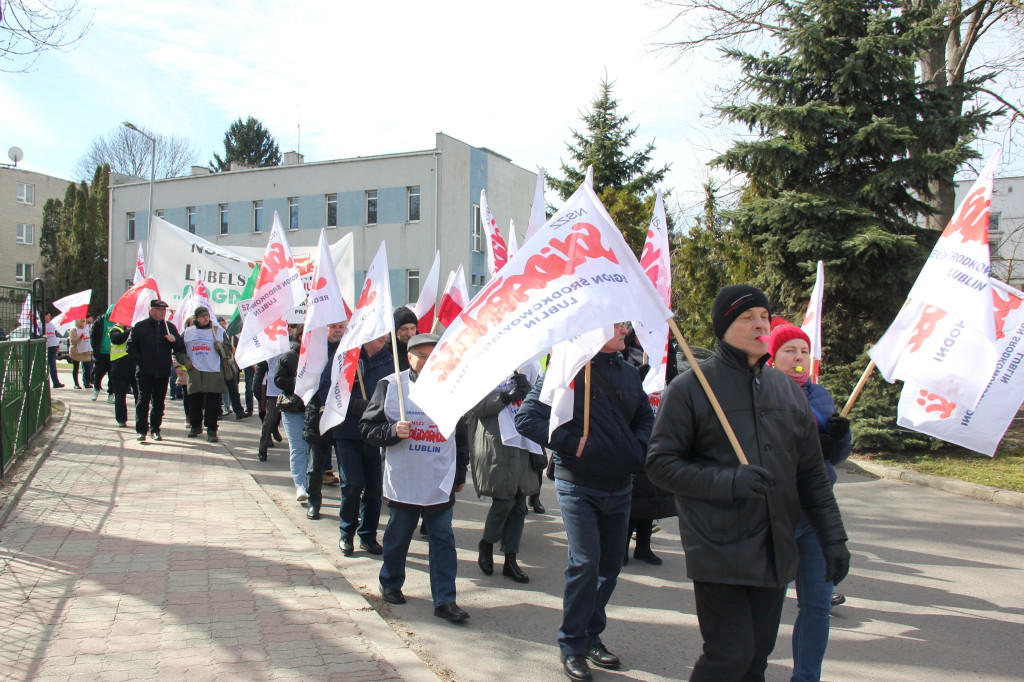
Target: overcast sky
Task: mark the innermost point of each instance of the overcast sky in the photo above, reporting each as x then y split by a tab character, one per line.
369	78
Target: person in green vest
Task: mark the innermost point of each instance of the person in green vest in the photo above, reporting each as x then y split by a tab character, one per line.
101	354
122	372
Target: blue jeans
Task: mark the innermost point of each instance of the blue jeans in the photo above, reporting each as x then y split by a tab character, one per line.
248	373
362	483
814	601
441	541
51	361
595	523
298	450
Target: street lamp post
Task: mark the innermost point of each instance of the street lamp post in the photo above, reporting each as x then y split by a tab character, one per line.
152	170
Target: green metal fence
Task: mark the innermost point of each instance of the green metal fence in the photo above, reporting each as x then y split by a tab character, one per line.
24	395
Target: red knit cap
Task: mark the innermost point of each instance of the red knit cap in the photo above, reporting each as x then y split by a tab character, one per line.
783	331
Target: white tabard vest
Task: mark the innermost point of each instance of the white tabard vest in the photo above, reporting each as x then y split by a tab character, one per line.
200	348
419	470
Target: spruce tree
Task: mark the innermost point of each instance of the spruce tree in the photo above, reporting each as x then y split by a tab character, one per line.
249	143
98	238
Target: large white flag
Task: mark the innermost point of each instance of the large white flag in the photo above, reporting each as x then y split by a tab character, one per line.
325	306
812	321
72	307
981	428
140	267
567	359
278	290
944	338
655	261
575	275
427	301
497	250
371	320
538	212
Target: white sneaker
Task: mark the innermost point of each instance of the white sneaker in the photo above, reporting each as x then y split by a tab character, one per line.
300	494
95	394
110	398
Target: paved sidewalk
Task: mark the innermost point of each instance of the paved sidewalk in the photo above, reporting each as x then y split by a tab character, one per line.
167	561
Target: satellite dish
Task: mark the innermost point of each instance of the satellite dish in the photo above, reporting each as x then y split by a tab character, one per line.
15	154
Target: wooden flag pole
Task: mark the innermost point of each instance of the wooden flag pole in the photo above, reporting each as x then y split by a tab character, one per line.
433	326
730	434
857	389
359	373
398	377
586	402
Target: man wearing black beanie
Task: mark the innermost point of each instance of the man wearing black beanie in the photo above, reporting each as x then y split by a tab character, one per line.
737	522
405	328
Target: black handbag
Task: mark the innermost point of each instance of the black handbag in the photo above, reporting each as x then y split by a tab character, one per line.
538	461
289	402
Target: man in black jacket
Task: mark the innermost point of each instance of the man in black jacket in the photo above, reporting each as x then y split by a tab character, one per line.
593	480
151	344
737	522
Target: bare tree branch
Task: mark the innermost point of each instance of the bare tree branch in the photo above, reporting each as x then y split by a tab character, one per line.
28	28
128	153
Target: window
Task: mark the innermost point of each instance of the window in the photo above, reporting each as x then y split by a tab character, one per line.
293	213
26	233
26	194
23	272
127	284
995	236
413	196
371	207
257	216
159	213
131	225
332	210
478	230
190	213
412	285
223	218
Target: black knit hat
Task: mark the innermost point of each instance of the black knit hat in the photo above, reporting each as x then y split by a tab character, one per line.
404	316
731	302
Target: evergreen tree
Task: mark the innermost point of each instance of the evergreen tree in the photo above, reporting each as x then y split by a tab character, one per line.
49	255
249	143
843	163
98	239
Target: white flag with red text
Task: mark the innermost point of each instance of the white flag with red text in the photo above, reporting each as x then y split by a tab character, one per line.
325	306
371	319
198	295
72	307
655	261
454	299
497	250
575	275
133	306
278	290
812	321
567	359
427	302
981	428
538	211
944	337
140	267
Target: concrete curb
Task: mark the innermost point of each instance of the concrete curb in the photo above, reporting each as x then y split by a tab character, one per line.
1008	498
47	448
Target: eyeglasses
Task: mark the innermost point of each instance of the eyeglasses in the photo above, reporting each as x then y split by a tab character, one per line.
624	325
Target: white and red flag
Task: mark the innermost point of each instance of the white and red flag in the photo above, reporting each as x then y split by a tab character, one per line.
140	267
567	359
426	304
371	320
72	307
497	250
575	275
513	241
944	338
197	296
25	316
655	261
538	212
324	307
454	299
981	428
278	290
812	321
133	306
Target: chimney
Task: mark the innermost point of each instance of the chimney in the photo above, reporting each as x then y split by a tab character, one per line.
200	170
293	159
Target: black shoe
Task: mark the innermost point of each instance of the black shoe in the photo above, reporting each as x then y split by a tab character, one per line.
575	667
486	558
451	612
345	545
312	513
261	456
194	433
512	570
242	415
212	437
392	595
371	546
78	387
123	425
838	599
601	657
538	508
58	385
141	438
157	436
277	436
248	413
648	557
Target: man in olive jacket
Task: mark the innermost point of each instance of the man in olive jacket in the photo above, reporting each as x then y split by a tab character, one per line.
737	522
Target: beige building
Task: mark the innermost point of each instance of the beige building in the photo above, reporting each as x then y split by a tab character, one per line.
22	195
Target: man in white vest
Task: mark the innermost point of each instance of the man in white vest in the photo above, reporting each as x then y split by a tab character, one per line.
423	469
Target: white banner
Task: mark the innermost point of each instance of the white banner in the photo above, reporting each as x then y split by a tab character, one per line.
497	250
655	262
324	307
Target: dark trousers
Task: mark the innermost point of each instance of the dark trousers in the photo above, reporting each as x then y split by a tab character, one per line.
270	423
319	461
100	368
51	360
120	389
248	373
739	625
203	410
362	482
151	390
86	372
232	395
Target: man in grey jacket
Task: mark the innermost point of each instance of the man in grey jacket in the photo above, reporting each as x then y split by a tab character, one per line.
737	522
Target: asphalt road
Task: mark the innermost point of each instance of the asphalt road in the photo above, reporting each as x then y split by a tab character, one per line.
936	591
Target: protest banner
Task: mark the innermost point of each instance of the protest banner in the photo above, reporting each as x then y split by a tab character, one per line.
324	307
655	262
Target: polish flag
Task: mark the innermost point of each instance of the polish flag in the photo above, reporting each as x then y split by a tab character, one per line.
133	306
497	251
538	213
371	320
140	267
426	305
72	307
325	306
278	291
513	242
655	262
454	298
812	321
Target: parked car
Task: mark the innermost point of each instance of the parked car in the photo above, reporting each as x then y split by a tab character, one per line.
63	348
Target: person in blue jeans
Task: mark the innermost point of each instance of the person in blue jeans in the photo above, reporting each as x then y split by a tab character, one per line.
423	469
790	352
593	481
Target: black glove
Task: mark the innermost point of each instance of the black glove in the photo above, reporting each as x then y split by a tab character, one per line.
828	445
837	426
750	482
519	391
837	562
